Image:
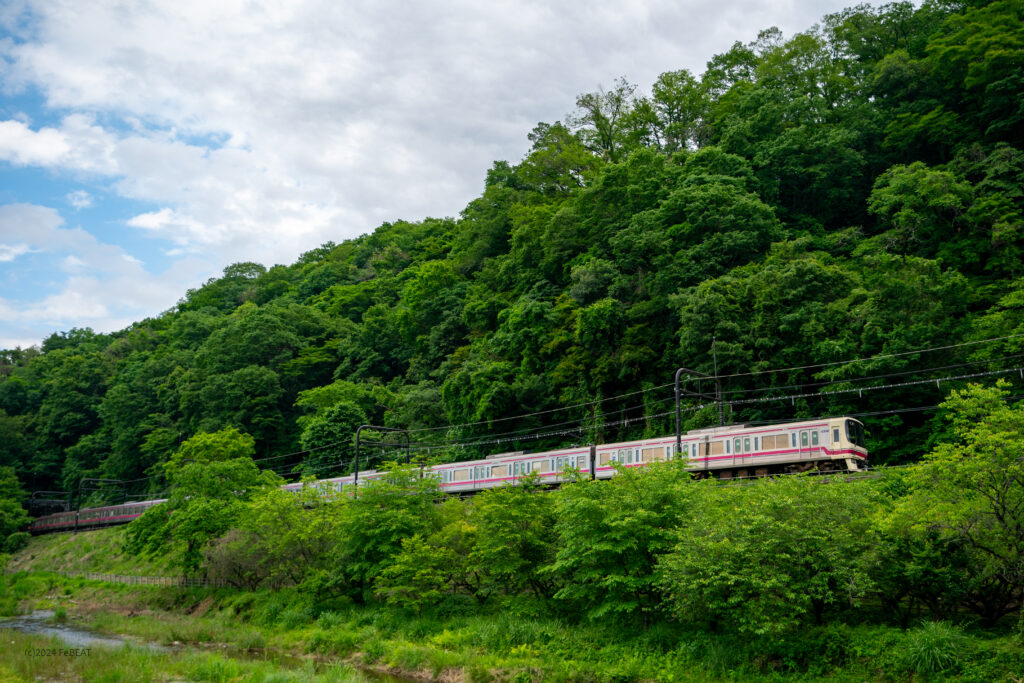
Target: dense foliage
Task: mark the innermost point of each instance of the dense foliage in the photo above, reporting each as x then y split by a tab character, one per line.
788	566
851	192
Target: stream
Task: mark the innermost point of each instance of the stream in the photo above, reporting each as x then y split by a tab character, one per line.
41	623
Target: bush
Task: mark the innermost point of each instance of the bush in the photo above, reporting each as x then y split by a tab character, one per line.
270	613
373	651
17	541
934	647
817	650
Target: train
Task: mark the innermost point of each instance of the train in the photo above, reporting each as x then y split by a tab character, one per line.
732	451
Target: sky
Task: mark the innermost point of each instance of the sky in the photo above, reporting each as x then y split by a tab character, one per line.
147	145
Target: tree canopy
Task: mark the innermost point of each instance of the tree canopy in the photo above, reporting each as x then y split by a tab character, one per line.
849	192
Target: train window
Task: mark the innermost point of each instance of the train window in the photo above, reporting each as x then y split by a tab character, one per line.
757	443
728	445
746	445
694	450
803	439
794	439
855	433
835	435
814	438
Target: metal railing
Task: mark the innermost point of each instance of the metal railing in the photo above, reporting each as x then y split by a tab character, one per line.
177	581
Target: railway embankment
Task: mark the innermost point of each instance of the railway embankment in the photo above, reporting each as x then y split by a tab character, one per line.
99	551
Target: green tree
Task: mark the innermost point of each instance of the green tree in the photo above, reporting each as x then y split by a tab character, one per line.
971	490
211	476
417	575
514	534
330	437
602	116
283	538
923	209
386	511
13	517
611	536
763	559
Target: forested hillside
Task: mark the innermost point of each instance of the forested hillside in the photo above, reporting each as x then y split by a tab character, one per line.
853	192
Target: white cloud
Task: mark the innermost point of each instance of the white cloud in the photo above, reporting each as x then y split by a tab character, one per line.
258	130
9	252
97	285
22	146
79	199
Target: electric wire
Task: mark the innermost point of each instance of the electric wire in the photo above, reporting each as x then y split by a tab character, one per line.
527	434
872	358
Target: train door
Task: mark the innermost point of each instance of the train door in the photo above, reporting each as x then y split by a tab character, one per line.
805	444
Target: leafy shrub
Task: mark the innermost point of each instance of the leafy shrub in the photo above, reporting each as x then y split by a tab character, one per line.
8	606
479	674
816	649
373	651
270	613
935	646
242	603
17	541
25	586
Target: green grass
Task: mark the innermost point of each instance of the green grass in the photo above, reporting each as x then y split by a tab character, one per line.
505	644
88	551
34	658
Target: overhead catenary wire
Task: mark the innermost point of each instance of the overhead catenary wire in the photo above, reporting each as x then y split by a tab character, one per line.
767	399
872	358
741	374
527	434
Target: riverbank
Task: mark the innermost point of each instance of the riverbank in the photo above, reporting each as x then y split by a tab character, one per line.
34	658
232	635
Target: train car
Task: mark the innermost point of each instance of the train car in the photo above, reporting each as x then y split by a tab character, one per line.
92	518
831	444
508	468
827	444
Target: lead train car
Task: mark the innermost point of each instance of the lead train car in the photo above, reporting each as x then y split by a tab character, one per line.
828	444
